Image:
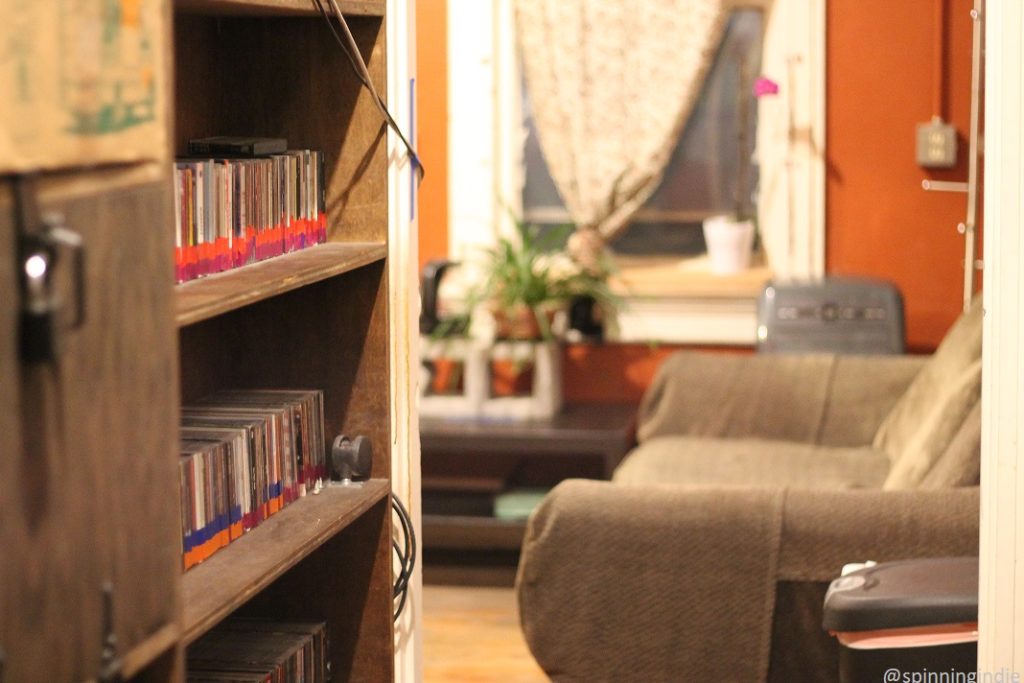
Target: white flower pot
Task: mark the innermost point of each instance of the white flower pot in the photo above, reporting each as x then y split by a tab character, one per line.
729	243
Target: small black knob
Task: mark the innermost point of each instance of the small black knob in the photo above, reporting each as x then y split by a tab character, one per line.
351	458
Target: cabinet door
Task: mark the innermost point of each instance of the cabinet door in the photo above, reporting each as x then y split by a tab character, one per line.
88	477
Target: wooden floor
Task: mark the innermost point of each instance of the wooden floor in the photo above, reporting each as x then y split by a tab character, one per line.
471	635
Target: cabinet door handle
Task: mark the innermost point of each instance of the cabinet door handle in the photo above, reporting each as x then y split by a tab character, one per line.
42	244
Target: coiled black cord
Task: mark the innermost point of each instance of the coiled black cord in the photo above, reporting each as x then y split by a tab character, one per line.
406	555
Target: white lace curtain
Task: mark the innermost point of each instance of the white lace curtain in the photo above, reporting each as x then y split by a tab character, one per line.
611	85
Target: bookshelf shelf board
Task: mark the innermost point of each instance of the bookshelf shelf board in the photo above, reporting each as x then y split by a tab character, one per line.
221	584
365	8
213	295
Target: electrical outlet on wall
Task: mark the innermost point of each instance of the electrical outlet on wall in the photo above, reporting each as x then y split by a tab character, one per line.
936	144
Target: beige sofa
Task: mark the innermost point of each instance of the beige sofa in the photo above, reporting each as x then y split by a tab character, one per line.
755	479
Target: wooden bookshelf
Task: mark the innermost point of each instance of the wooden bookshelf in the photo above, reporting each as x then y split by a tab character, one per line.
315	318
221	584
224	292
94	437
373	8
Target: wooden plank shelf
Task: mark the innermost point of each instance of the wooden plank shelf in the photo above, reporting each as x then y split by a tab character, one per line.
213	295
354	8
221	584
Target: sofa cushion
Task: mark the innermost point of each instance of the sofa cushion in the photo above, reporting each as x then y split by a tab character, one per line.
936	403
958	464
759	463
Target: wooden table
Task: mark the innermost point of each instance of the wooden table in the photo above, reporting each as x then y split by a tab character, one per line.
476	458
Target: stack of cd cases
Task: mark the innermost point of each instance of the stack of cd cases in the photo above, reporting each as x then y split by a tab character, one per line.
253	651
245	455
230	212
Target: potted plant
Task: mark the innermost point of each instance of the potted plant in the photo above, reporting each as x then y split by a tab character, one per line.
528	279
520	289
522	296
730	237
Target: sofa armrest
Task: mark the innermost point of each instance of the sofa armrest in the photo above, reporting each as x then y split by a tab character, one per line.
623	583
816	398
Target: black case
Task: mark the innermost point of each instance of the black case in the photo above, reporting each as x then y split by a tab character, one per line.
241	147
906	594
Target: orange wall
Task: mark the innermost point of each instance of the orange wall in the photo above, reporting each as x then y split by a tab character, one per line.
432	125
880	84
615	373
881	73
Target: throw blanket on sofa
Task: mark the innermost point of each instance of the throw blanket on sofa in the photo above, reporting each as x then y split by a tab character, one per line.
621	583
815	399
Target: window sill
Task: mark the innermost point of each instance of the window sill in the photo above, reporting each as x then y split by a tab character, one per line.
673	301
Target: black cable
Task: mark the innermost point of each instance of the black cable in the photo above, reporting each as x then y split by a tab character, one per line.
351	50
401	561
406	555
409	561
402	580
403	557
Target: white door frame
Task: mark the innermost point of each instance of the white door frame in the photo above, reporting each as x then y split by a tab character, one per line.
403	316
1001	590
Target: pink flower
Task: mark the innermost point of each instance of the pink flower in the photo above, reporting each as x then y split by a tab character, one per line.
765	86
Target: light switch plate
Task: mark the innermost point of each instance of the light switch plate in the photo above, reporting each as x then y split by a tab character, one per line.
936	144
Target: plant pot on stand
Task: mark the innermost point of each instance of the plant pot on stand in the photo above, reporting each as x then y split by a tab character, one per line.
525	379
512	377
524	364
453	377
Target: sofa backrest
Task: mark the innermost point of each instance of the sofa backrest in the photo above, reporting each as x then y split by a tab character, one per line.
922	425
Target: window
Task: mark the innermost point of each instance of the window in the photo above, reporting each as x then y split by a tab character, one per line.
701	177
678	302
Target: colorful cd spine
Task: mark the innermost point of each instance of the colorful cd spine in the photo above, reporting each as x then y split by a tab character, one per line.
245	455
232	212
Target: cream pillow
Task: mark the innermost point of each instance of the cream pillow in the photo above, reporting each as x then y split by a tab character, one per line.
928	415
926	444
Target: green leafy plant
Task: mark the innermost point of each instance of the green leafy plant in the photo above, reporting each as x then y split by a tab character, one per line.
517	269
529	277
